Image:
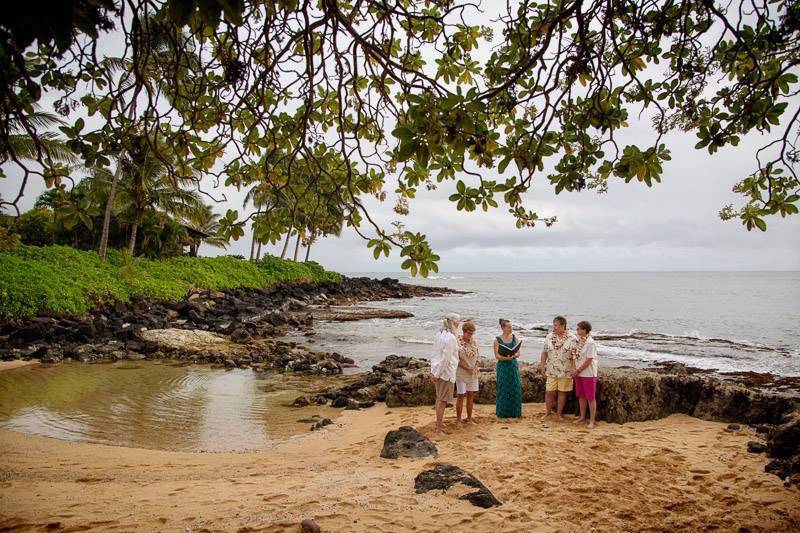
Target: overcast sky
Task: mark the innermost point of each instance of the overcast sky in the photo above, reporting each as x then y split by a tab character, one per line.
671	226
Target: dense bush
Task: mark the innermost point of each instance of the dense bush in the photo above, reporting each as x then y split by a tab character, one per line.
63	279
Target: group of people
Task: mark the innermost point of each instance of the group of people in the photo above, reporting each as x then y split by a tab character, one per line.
568	361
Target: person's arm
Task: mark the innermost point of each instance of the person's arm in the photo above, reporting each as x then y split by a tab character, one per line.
543	358
519	351
436	360
497	352
451	353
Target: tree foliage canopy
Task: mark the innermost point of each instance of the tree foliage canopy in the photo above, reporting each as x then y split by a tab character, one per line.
351	98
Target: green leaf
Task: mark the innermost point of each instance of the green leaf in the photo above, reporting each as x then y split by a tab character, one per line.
404	134
210	12
406	151
181	10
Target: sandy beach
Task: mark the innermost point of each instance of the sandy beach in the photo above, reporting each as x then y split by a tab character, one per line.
674	473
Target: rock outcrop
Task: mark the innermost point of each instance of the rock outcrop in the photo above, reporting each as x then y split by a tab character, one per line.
623	394
783	447
407	442
443	476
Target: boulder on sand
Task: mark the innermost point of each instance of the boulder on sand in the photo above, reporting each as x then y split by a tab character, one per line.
444	476
407	442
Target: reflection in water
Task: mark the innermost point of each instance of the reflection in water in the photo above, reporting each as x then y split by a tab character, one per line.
153	405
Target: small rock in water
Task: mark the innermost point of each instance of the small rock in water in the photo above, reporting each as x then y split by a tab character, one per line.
756	447
407	442
321	424
308	525
300	401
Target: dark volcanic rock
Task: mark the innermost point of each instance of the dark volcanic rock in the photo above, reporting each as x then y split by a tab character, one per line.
407	442
784	440
321	424
308	525
756	447
623	394
444	476
783	445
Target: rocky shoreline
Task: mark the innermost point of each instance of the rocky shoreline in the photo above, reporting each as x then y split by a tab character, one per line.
234	328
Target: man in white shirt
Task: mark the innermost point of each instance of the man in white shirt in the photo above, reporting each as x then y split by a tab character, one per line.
444	363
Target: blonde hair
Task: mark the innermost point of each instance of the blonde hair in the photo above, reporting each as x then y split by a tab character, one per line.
450	322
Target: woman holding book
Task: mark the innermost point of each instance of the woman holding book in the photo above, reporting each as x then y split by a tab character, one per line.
509	386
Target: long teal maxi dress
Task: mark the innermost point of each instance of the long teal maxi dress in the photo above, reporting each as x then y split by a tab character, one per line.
509	387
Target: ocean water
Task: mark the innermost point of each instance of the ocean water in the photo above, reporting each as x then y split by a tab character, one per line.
725	321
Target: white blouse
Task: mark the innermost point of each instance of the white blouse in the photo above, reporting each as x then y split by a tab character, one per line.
589	351
444	358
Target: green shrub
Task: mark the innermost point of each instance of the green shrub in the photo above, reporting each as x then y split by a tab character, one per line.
64	279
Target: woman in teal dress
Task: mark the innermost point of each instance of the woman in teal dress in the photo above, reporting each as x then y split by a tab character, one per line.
509	386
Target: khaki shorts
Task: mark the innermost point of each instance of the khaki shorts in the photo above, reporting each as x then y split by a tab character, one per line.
444	390
558	384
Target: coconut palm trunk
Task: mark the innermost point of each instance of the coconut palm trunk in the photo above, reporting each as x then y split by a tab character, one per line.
253	246
134	231
308	250
297	246
286	244
109	203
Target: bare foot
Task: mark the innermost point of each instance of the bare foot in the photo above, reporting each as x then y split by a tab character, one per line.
579	420
591	425
465	421
545	416
440	433
472	421
561	417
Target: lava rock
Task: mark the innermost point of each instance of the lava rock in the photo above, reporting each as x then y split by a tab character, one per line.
241	336
340	401
300	401
444	476
756	447
784	440
308	525
321	424
407	442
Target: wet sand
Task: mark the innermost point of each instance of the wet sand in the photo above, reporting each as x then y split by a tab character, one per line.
16	363
670	474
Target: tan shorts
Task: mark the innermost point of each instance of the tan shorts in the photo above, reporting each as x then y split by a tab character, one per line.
444	390
558	384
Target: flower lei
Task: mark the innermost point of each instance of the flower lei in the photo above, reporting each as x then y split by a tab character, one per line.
558	341
576	351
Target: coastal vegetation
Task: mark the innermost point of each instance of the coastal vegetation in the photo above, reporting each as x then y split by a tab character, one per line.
314	106
66	280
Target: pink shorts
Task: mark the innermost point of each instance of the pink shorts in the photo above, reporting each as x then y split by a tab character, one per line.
585	387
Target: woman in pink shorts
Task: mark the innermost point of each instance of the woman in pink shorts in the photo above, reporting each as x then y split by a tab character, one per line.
585	372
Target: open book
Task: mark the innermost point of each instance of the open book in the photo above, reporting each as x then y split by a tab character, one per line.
508	352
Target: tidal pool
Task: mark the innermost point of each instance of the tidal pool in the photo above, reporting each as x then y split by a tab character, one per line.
157	405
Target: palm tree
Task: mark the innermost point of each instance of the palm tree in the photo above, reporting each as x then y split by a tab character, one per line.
22	146
159	42
205	221
150	186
